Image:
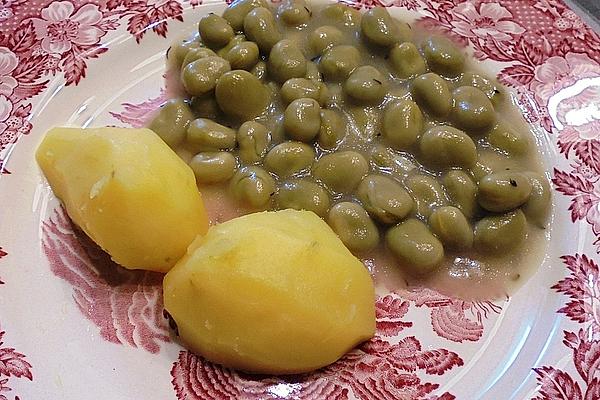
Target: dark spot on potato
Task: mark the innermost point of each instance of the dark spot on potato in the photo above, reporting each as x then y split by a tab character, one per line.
172	323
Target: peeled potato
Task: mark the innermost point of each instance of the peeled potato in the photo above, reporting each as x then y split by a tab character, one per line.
271	292
127	190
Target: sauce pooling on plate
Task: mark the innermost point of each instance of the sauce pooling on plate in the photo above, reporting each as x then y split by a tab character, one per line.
416	160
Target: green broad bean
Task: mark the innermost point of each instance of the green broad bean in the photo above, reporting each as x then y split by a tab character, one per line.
443	147
286	61
302	119
341	14
492	90
503	191
386	160
301	194
443	56
237	39
200	77
324	37
261	28
294	12
289	158
450	225
406	60
384	199
366	85
213	167
338	62
172	121
215	31
205	135
237	11
241	95
243	56
196	54
500	234
472	110
205	106
380	29
431	92
537	208
178	50
298	88
462	191
332	130
253	140
415	246
341	171
253	187
353	226
506	139
427	193
402	124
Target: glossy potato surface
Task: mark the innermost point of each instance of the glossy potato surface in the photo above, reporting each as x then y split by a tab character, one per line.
127	190
271	292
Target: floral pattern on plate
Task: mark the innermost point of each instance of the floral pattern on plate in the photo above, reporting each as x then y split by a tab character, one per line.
541	49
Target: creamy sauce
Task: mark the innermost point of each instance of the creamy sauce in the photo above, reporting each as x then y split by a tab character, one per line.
465	274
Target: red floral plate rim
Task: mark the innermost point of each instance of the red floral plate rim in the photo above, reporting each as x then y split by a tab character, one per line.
426	342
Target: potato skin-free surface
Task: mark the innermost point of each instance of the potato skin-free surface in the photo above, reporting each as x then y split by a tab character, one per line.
127	190
273	293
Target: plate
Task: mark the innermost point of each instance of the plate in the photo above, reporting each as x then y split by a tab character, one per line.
74	326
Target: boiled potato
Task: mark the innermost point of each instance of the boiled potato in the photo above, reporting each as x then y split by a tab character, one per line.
271	292
127	190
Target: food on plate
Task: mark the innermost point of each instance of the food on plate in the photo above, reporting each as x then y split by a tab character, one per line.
253	186
260	27
338	62
302	119
301	194
213	166
389	133
353	226
341	171
288	158
413	243
451	226
445	147
537	206
432	93
271	292
241	95
368	138
286	61
172	122
500	233
402	124
384	198
127	190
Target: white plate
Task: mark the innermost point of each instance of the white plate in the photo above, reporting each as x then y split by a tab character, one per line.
85	329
